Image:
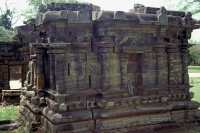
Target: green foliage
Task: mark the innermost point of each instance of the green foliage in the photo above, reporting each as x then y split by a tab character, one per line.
32	10
194	55
192	6
19	130
195	82
6	19
37	3
5	35
8	112
194	58
7	15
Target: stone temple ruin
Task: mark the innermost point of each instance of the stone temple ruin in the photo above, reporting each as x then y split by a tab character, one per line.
87	70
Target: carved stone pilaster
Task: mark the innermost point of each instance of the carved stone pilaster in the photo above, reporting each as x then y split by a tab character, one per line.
161	67
105	65
124	80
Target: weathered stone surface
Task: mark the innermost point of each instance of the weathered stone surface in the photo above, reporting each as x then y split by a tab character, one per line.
89	70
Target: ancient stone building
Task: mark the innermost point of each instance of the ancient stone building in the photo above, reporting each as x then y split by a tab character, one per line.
89	70
10	56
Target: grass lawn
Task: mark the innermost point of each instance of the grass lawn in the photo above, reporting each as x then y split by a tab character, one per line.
196	90
10	112
195	82
193	69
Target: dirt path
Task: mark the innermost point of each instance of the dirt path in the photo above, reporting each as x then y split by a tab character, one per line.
194	74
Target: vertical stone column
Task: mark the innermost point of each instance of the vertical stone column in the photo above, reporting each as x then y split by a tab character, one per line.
25	53
59	72
170	56
39	68
185	64
124	81
6	57
104	46
57	60
1	77
105	70
6	75
161	67
82	81
52	71
34	59
24	68
23	75
32	74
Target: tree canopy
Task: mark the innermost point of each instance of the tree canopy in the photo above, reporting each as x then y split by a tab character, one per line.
6	22
192	6
34	5
7	16
6	19
5	35
194	55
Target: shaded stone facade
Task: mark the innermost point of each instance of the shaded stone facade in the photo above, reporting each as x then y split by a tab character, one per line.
89	70
10	56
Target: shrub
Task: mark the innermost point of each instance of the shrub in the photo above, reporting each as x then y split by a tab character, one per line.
194	55
5	35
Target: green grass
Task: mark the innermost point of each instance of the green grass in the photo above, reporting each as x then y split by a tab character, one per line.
8	112
193	69
196	90
195	82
